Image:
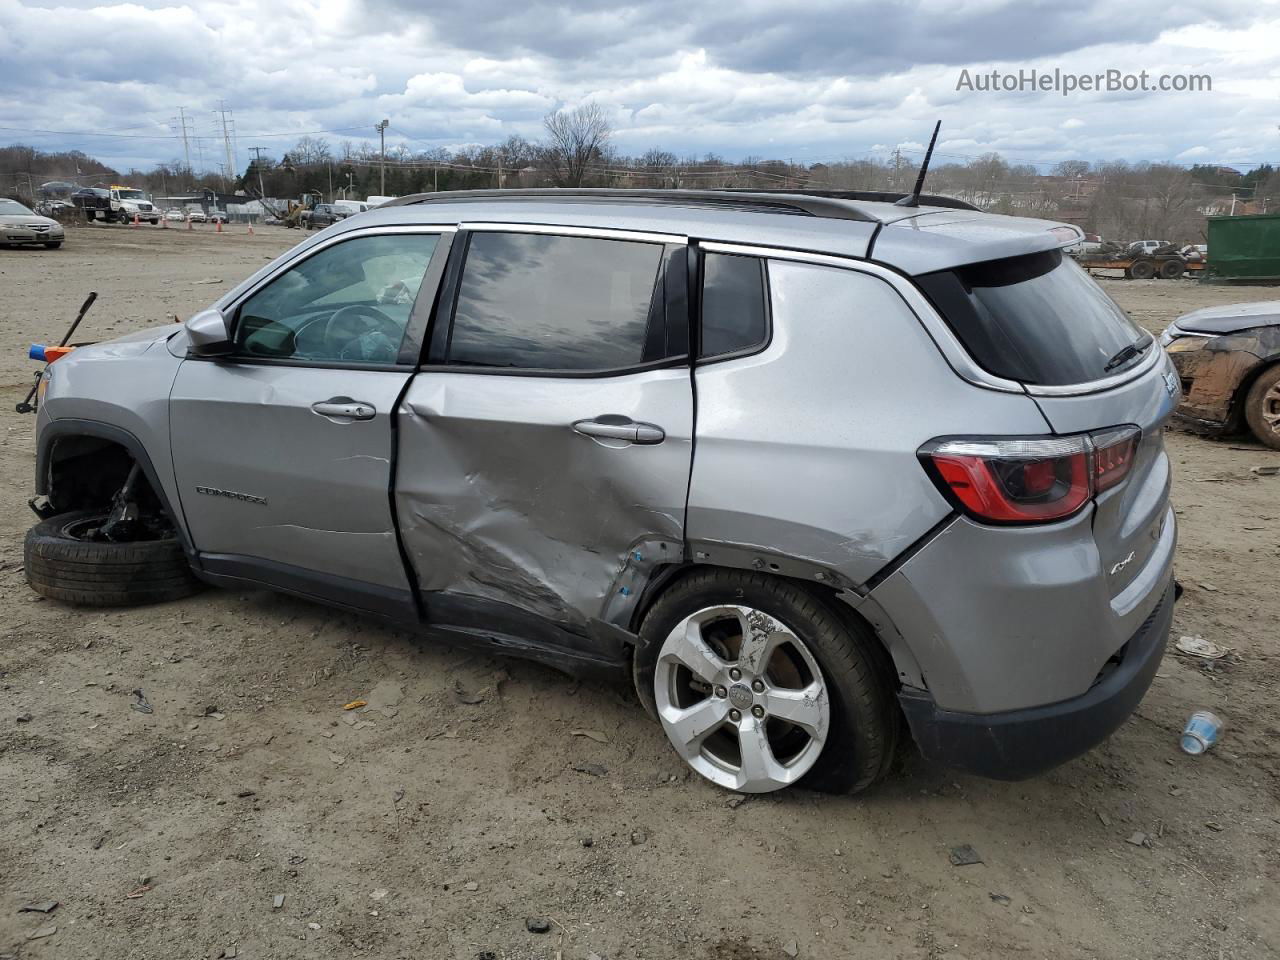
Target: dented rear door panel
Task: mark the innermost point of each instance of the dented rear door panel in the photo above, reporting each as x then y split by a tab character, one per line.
504	507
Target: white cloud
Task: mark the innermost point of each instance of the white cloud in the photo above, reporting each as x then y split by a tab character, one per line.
826	80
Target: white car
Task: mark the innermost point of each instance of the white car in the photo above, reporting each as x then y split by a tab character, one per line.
173	213
19	225
1147	246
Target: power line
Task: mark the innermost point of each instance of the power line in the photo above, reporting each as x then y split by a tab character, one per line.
172	136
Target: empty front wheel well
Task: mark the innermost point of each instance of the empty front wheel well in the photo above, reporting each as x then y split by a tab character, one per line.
85	473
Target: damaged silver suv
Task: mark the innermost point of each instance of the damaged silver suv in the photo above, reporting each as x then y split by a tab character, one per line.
810	470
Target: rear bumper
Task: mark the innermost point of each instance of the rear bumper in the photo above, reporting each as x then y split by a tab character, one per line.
1023	743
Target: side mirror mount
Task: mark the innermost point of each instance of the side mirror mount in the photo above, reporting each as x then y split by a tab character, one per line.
207	334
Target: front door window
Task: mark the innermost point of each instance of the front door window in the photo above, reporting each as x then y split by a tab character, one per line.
349	303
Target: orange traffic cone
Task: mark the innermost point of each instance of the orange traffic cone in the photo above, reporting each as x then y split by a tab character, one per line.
219	226
164	223
136	221
251	229
189	226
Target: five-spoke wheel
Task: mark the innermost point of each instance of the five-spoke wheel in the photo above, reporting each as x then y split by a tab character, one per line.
760	682
741	698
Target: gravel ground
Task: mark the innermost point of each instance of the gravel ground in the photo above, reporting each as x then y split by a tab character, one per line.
428	825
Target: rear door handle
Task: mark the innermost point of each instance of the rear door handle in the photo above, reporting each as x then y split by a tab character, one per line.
344	408
613	427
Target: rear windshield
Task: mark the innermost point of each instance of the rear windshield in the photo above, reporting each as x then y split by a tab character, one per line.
1037	319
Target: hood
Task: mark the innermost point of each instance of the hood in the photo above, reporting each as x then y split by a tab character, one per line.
130	345
1231	318
24	219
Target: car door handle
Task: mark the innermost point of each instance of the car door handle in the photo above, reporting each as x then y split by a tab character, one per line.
344	408
614	427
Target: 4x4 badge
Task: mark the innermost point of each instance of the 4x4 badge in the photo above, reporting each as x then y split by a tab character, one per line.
1171	383
1122	564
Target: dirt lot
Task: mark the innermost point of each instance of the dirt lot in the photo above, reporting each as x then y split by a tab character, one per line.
434	827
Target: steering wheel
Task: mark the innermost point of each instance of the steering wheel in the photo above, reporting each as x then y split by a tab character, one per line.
362	332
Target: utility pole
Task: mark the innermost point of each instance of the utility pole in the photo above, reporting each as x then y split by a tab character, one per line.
186	143
382	137
257	162
226	138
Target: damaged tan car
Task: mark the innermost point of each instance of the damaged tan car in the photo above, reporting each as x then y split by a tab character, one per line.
1228	359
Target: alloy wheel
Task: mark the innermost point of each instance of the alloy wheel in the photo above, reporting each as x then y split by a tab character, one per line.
742	698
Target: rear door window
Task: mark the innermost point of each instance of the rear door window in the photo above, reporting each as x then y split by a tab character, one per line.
734	318
540	302
1038	319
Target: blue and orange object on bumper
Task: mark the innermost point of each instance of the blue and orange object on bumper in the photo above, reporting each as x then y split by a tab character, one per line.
45	354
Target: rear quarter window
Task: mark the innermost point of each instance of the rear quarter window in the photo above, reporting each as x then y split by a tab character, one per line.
1038	319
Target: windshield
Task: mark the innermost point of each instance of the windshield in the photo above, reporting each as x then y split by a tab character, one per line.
130	194
12	208
1036	319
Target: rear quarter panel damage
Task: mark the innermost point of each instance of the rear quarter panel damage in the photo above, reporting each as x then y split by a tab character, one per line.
808	449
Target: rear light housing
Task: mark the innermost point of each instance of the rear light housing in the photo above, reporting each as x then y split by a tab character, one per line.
1022	480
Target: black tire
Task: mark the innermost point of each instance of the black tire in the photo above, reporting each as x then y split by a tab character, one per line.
1141	270
97	574
865	720
53	244
1262	400
1172	269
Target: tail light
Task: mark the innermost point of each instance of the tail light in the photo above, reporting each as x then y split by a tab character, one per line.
1030	480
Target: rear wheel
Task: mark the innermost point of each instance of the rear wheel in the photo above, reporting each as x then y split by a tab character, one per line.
760	684
1262	407
66	559
1141	270
1172	269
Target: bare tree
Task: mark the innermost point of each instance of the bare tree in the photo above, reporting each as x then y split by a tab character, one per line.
576	138
1071	169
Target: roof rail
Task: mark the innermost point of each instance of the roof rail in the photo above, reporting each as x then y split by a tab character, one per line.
834	207
881	196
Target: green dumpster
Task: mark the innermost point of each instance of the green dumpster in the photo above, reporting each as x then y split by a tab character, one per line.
1245	248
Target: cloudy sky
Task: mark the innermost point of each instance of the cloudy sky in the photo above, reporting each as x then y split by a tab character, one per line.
813	81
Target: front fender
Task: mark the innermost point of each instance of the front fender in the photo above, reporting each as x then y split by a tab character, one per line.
123	388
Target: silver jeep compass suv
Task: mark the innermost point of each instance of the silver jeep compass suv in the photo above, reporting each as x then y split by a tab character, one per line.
806	468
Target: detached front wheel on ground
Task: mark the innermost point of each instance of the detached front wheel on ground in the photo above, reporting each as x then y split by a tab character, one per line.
761	684
68	558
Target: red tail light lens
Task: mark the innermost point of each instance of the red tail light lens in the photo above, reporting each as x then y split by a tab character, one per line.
1032	480
1113	452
